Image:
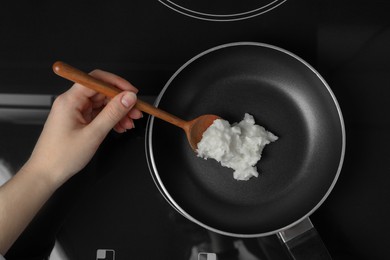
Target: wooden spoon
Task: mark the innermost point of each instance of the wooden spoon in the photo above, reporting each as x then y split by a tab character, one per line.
194	129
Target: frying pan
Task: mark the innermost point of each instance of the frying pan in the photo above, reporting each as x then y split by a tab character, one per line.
296	173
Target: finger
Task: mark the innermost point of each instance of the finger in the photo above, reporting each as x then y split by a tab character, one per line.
113	113
98	97
81	91
107	77
99	103
114	80
119	129
135	114
124	125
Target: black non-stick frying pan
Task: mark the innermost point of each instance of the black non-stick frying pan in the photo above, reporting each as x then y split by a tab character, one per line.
286	96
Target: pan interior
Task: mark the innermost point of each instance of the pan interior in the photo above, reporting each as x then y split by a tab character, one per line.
286	97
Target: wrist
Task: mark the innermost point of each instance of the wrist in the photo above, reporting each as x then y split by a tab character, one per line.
50	178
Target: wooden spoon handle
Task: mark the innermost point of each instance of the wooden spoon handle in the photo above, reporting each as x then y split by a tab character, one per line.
73	74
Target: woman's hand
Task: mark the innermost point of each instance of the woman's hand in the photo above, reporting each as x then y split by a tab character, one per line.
77	124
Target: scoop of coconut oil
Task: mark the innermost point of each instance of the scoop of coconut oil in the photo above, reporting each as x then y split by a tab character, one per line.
238	146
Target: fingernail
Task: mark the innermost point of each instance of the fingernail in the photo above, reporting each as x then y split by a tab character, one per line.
128	99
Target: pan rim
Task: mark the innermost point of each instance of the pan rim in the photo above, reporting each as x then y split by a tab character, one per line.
154	171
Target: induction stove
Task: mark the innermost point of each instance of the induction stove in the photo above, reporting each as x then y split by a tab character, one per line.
112	209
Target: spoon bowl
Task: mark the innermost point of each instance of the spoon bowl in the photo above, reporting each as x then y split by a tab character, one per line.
197	127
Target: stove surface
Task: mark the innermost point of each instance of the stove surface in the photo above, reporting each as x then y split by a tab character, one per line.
112	209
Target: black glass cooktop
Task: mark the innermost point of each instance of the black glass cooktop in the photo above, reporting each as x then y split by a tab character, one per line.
112	209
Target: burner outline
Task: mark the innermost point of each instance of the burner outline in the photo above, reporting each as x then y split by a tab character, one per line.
222	17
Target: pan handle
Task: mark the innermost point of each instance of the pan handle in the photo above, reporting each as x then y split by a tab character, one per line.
303	242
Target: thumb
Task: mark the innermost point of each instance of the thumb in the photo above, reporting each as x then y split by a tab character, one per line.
113	112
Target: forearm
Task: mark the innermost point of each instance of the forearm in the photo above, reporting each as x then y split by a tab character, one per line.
20	199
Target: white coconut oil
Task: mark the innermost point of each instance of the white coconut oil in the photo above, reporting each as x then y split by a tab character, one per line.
238	146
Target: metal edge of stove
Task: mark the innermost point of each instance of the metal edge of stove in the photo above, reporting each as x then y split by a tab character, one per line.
25	108
58	252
